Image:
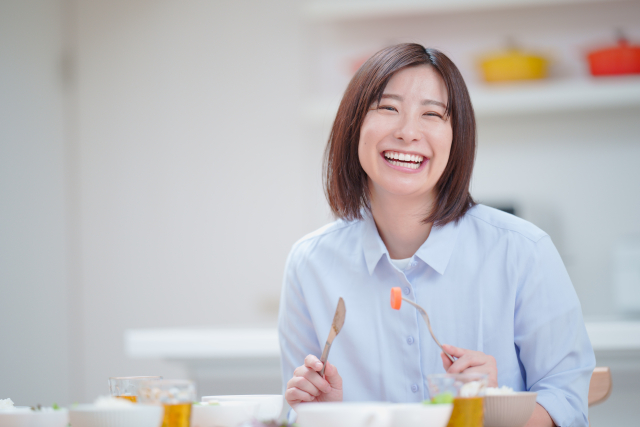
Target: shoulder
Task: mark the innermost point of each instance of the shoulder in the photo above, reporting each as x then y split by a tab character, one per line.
489	220
328	237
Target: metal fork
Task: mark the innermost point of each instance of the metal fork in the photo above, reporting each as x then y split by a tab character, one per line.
425	316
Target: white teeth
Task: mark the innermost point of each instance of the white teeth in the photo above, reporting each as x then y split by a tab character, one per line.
405	165
394	155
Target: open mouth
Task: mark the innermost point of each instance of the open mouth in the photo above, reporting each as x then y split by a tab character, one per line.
403	160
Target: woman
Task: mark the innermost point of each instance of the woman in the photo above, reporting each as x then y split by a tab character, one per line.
397	172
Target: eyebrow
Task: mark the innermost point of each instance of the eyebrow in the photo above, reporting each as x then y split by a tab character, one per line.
424	101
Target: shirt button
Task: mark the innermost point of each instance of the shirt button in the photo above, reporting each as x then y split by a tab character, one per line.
410	340
414	388
406	290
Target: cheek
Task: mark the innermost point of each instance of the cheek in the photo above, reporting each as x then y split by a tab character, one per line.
367	147
442	149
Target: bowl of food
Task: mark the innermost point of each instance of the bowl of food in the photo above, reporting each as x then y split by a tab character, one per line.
344	414
269	405
15	416
25	416
505	408
420	414
113	412
223	414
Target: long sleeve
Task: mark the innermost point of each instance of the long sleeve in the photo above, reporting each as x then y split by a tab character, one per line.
295	328
550	337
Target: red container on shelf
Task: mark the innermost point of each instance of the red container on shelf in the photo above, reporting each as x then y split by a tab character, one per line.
621	59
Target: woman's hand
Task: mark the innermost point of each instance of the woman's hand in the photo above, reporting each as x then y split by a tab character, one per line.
470	361
308	386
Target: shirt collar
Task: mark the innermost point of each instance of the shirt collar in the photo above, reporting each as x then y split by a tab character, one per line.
372	244
436	251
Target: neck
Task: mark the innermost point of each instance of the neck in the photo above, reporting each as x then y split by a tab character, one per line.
399	221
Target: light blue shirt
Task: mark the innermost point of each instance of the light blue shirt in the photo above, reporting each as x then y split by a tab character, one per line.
491	282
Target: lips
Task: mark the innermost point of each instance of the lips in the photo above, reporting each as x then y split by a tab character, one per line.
404	160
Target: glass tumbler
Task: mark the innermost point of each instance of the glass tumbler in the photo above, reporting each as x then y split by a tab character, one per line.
176	396
467	391
127	387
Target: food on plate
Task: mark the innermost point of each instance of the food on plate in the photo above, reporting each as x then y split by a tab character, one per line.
497	391
446	397
6	404
471	389
110	402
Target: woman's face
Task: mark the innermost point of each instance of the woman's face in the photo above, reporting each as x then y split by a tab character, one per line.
406	139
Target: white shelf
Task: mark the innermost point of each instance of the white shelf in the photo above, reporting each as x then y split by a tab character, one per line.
243	344
202	343
526	98
556	96
336	10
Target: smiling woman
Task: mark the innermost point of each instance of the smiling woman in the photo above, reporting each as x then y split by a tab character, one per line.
444	107
398	166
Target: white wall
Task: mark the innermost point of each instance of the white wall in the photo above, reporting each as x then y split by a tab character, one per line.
575	174
195	172
34	323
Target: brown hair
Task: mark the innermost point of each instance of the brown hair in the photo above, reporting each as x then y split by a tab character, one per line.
346	183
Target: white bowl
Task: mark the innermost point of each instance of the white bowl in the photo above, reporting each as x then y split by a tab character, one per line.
19	416
344	414
509	410
227	414
23	416
420	415
139	415
270	405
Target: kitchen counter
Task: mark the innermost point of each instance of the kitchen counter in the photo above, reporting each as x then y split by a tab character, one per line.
259	343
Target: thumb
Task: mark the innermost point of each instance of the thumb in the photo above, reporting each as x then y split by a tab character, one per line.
333	378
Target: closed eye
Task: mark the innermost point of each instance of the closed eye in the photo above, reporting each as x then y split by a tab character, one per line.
387	108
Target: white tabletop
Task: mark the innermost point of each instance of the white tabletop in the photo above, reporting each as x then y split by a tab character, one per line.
246	343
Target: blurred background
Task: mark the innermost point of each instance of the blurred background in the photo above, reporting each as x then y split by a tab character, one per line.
158	159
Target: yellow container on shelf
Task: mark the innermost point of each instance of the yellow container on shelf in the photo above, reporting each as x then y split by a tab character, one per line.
513	65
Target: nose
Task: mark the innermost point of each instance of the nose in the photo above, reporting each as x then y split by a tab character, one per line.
408	129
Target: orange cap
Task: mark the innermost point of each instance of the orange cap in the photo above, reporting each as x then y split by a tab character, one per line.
396	298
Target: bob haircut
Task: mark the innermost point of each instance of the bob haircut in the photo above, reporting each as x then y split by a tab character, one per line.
346	184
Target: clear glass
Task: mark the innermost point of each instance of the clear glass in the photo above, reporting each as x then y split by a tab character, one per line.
175	395
467	391
127	387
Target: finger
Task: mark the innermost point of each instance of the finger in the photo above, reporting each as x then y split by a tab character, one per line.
305	385
295	395
333	378
318	382
313	362
455	351
469	360
446	362
302	371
